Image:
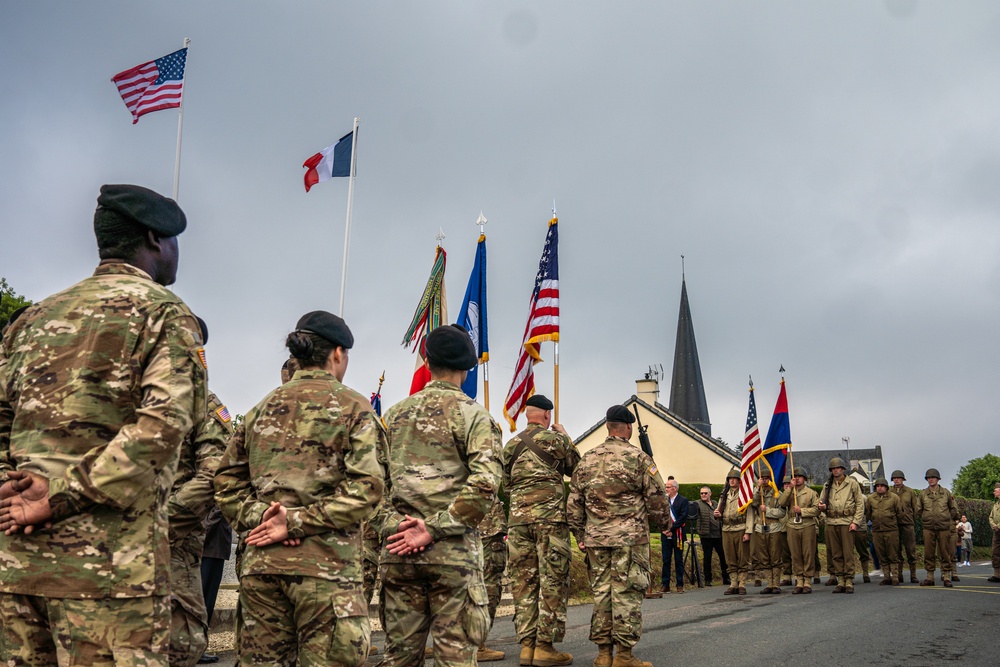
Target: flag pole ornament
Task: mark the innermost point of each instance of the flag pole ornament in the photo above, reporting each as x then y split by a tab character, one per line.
334	161
431	312
154	85
542	325
376	398
751	452
779	438
472	316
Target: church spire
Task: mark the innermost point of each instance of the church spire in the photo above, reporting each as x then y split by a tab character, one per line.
687	391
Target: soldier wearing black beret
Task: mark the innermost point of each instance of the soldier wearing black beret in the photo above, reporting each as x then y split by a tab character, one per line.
620	414
450	347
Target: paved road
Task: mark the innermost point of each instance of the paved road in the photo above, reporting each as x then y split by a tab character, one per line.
906	626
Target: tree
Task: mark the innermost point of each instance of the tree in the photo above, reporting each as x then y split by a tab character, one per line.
976	478
9	302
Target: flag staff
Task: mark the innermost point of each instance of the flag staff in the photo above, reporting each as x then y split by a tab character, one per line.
481	221
180	130
555	343
350	203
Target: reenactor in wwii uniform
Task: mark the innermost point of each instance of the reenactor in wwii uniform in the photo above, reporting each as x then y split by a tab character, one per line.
802	505
883	510
938	514
762	525
844	505
615	492
735	541
907	517
99	385
301	473
443	460
995	526
493	531
534	464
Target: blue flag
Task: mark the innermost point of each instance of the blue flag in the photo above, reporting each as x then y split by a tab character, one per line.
779	439
472	316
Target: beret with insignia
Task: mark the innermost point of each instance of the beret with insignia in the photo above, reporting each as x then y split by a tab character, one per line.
150	209
451	347
540	402
621	414
328	326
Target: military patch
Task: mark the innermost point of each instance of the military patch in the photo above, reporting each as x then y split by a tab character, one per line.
652	469
201	355
223	413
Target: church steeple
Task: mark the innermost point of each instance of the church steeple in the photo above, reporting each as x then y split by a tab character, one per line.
687	391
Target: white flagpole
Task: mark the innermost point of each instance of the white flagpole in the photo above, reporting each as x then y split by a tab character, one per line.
180	130
481	221
350	202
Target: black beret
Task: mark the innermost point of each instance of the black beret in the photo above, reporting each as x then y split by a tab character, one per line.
540	402
450	346
328	326
621	414
204	330
150	209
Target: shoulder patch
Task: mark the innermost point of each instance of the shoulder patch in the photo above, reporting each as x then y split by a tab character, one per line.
223	413
201	356
653	469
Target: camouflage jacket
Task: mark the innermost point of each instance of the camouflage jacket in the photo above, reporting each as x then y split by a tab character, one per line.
907	504
311	445
537	491
807	500
99	385
883	511
443	466
937	509
615	491
193	495
495	521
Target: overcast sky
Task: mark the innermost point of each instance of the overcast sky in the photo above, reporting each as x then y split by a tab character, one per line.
831	172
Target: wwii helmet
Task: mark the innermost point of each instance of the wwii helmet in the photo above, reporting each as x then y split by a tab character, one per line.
897	473
765	472
837	462
882	481
932	472
787	479
801	472
733	474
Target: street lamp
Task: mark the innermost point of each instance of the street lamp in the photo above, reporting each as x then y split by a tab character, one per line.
847	443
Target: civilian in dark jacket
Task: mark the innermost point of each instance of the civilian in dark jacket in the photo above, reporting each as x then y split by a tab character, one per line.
672	543
710	530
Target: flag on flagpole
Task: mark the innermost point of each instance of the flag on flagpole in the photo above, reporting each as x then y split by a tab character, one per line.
778	440
153	86
543	325
331	162
431	312
472	316
751	452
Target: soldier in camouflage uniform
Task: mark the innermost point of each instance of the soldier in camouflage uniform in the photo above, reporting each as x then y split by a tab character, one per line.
99	385
883	509
907	517
938	513
443	472
493	533
300	474
844	505
735	541
534	464
763	524
371	546
616	490
801	504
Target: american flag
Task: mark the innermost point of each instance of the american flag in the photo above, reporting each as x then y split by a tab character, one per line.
751	452
152	86
543	325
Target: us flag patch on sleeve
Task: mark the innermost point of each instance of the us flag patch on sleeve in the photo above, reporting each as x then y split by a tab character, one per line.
201	356
223	413
652	469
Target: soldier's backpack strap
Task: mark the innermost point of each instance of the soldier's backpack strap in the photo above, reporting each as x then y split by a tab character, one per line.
528	442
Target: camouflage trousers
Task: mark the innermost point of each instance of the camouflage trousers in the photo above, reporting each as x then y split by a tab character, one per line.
370	569
737	556
540	555
188	617
494	564
908	543
939	545
129	632
306	621
619	577
447	601
802	545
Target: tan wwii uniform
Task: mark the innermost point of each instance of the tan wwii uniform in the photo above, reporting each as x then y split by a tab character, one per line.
845	506
938	513
99	385
763	522
734	524
801	534
884	510
907	517
191	499
995	526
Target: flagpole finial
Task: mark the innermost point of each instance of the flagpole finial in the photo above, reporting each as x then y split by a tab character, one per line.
751	382
440	236
782	369
554	208
682	267
481	221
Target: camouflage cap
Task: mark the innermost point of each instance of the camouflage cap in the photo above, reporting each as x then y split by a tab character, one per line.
540	402
150	209
451	347
328	326
620	414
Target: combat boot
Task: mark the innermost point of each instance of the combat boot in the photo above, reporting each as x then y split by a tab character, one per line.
913	575
996	576
605	655
489	655
626	659
547	656
527	652
832	581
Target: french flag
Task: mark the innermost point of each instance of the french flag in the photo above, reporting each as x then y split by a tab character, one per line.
330	162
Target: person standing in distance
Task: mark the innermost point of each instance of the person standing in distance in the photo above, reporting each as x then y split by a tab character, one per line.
443	472
735	541
535	462
938	513
99	385
801	502
710	532
672	541
616	490
844	505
